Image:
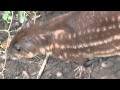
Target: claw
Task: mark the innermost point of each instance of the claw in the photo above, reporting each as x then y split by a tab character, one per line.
82	71
79	71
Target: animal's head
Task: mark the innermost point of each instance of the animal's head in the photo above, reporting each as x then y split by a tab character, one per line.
27	43
21	46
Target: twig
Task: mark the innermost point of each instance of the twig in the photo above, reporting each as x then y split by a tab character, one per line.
8	31
42	67
7	46
4	31
28	15
34	19
10	22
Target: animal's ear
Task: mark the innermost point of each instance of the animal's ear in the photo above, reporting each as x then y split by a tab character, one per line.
57	33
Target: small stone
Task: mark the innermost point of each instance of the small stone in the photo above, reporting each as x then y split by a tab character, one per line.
3	56
34	73
25	75
59	74
1	51
107	64
17	77
1	76
47	73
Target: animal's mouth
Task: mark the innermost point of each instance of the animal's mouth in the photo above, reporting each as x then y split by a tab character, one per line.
11	57
21	56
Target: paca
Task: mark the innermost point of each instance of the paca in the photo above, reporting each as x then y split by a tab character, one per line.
74	36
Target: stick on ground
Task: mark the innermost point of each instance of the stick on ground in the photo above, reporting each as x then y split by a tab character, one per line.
42	67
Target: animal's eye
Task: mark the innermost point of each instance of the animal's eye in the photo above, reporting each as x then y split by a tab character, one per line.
17	48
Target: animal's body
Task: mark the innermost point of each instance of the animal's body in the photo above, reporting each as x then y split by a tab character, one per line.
74	36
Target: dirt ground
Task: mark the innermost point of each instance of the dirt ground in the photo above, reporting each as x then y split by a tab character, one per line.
100	68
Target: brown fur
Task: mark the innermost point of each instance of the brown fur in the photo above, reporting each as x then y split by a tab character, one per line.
73	36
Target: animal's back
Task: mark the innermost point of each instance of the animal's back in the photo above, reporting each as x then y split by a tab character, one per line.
76	35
